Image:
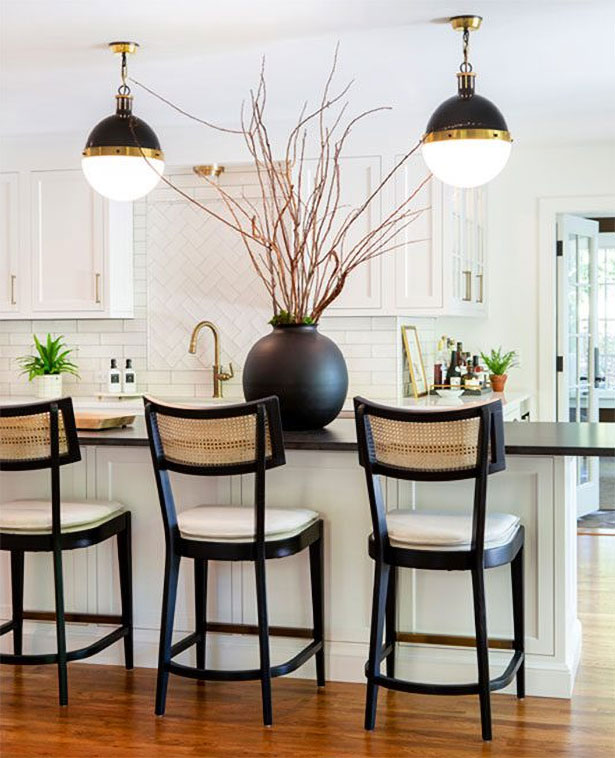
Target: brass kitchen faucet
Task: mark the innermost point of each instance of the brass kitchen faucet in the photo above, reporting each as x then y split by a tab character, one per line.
219	375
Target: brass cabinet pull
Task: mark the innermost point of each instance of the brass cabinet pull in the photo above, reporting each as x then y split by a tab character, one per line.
481	279
13	297
98	288
468	286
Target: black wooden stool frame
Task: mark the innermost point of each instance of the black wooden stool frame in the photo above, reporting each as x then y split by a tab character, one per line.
257	551
57	542
388	559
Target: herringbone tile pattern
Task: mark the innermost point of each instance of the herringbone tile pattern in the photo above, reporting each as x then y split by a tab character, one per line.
199	269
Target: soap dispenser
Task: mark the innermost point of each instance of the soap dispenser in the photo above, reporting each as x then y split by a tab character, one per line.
115	379
130	378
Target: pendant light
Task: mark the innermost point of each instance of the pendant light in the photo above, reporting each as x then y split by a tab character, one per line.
466	142
122	159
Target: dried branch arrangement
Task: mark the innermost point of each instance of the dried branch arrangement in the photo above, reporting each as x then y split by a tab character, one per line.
302	240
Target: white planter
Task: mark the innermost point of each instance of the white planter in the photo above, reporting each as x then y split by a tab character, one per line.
48	386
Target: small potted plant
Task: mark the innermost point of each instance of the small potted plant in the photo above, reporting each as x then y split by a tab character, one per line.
498	364
47	366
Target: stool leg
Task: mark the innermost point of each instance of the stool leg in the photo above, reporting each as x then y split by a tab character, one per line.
263	640
482	650
200	611
381	579
60	625
17	572
169	595
391	613
317	581
516	571
124	554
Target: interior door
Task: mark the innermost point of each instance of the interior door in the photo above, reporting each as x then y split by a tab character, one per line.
577	332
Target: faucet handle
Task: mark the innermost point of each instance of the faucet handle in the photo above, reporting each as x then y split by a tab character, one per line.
224	377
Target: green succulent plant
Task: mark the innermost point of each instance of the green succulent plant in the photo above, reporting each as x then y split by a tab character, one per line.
284	318
52	358
498	362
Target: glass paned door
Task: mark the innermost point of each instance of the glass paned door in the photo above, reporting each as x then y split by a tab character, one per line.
577	335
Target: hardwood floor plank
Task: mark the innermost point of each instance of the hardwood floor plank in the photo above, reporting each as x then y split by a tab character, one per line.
111	711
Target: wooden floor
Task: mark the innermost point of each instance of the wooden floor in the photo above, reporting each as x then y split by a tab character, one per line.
110	711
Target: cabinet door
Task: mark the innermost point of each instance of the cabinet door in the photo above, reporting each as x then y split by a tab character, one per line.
360	177
9	243
464	246
417	265
67	243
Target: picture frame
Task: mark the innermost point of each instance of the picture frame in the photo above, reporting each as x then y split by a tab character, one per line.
414	358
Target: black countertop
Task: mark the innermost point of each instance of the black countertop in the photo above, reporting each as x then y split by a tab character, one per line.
534	438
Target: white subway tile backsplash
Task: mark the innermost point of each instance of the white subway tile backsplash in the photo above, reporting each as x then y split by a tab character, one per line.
370	344
100	325
122	338
15	326
383	351
371	337
102	351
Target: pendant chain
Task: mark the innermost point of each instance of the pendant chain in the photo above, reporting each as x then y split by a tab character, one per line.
466	66
124	89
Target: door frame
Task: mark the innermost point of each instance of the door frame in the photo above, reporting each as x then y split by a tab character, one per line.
548	209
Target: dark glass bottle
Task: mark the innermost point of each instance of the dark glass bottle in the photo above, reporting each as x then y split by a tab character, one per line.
452	368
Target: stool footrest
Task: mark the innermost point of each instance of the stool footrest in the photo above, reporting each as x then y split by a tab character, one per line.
35	659
74	617
241	675
471	688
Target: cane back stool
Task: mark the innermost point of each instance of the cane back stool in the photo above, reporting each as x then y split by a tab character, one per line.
434	446
43	436
223	441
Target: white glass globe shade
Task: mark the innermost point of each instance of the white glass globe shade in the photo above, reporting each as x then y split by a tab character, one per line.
122	177
466	162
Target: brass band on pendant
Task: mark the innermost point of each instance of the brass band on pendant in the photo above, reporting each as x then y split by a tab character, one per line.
125	150
449	134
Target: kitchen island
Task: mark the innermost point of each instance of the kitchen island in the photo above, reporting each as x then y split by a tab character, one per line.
322	473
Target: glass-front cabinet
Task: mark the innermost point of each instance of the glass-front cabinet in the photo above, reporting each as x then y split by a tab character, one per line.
464	243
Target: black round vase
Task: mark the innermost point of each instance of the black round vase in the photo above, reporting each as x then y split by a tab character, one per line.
305	369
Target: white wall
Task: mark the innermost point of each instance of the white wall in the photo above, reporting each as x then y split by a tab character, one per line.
514	254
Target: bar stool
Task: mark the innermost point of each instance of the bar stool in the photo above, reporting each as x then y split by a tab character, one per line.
43	436
224	441
438	446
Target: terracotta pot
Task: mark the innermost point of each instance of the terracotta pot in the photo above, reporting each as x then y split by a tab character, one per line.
498	381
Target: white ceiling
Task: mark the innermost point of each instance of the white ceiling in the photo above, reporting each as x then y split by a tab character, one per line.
549	65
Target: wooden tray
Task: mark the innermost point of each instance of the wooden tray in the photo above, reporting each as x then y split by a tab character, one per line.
99	420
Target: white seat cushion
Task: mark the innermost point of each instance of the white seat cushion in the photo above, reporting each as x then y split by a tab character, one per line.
35	515
429	530
230	523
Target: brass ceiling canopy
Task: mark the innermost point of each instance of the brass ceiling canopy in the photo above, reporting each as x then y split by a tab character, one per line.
209	169
461	23
128	48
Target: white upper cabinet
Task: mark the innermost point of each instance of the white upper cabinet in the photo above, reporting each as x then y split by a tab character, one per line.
415	269
76	250
360	177
439	266
67	242
10	273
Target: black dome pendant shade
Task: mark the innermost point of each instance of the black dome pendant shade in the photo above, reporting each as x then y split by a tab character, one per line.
123	134
470	129
474	114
